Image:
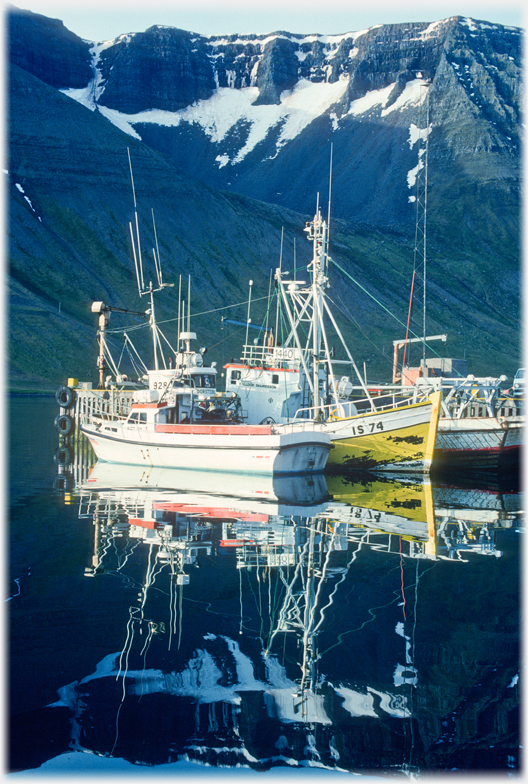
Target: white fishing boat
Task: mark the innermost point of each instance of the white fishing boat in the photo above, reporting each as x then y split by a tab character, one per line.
480	427
162	434
296	381
180	420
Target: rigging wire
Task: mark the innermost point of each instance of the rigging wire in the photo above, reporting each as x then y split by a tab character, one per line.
368	293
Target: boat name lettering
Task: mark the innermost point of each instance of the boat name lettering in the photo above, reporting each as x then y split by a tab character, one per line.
370	427
260	386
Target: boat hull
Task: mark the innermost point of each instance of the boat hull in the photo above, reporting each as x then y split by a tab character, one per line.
478	442
243	450
398	439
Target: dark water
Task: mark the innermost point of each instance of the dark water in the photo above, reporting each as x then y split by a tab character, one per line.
370	627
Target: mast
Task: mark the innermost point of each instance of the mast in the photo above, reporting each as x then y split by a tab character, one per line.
154	328
419	279
138	262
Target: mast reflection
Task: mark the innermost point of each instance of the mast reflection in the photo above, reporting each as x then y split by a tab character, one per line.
289	614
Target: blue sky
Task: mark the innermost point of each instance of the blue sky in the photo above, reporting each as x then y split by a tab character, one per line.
101	20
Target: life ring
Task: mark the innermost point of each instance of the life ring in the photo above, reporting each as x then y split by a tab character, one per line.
62	456
63	424
65	396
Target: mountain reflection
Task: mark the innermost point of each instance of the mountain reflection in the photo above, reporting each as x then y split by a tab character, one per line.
336	623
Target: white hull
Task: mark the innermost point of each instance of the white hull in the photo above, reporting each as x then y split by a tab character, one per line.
235	449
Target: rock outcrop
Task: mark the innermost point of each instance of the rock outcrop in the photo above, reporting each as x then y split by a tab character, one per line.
45	48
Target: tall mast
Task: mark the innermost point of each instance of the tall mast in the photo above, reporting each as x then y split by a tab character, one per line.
139	270
426	175
419	280
154	328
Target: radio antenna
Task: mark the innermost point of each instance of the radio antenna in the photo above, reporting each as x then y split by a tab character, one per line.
329	193
139	263
156	253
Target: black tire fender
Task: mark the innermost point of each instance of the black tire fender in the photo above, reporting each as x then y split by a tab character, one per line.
63	424
65	396
62	456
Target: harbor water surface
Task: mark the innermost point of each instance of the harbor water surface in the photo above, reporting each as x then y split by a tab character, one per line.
172	630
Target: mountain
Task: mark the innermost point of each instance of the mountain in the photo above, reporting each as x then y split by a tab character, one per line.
230	141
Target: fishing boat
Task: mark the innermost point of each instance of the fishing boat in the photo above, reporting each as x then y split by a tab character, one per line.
480	426
180	434
180	420
295	382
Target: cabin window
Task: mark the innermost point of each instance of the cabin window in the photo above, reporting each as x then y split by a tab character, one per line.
204	381
143	417
275	378
134	417
235	375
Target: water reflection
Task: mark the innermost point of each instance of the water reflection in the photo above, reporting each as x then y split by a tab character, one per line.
341	623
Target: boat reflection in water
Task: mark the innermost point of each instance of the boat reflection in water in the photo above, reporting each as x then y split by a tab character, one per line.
306	623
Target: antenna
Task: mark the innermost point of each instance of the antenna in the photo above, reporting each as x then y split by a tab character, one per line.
249	306
156	253
279	289
179	312
135	257
189	306
329	193
132	178
139	262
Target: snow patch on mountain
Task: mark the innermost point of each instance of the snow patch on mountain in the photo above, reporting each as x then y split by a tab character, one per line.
227	107
89	95
413	95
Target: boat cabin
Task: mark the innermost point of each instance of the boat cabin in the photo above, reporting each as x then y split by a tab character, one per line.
185	407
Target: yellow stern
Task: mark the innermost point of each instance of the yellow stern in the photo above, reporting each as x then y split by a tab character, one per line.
395	439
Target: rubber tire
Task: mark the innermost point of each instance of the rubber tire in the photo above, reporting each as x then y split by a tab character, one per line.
65	396
62	456
63	424
62	482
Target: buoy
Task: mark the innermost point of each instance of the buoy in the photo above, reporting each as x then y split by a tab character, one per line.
65	396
